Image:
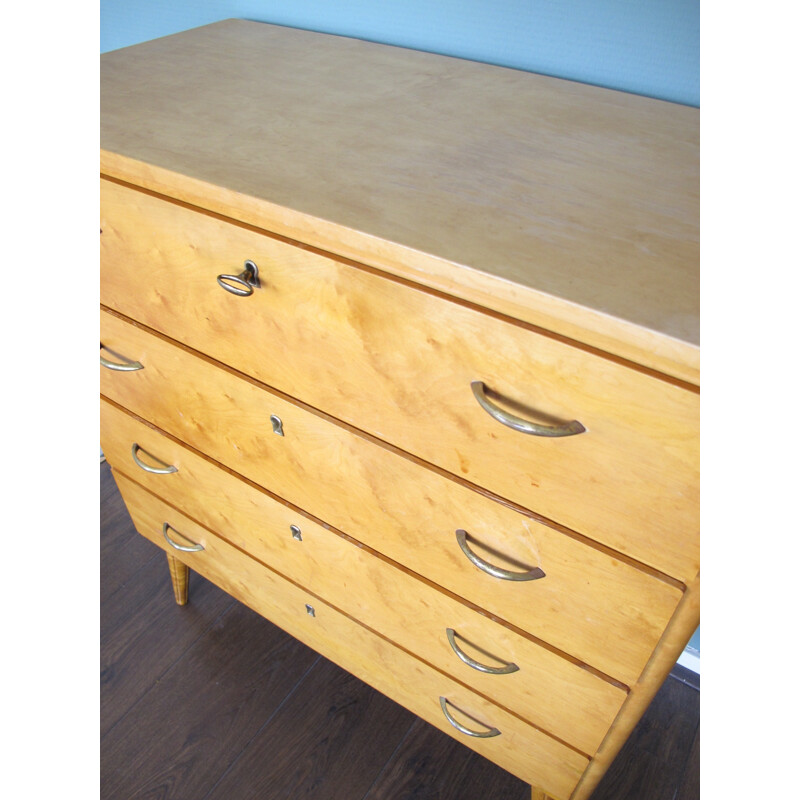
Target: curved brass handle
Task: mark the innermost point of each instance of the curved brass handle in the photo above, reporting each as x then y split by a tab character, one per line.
459	727
130	366
246	281
470	662
195	548
155	470
496	572
520	424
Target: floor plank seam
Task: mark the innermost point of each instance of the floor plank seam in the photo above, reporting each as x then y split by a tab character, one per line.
257	733
686	677
172	666
685	766
126	583
390	760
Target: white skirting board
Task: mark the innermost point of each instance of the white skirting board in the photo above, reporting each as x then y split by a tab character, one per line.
690	658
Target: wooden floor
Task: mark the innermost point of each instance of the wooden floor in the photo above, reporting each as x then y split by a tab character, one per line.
212	702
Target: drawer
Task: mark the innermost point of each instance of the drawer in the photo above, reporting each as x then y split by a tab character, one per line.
397	507
398	362
547	690
520	748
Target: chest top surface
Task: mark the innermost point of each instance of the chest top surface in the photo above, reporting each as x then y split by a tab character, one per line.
565	206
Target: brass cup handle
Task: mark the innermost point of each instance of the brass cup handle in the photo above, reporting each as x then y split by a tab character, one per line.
244	283
459	727
130	366
470	662
167	470
195	548
490	569
518	423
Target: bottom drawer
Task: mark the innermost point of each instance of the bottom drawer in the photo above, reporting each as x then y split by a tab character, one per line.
519	748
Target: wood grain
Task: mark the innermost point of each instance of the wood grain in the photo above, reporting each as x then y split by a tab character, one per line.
676	636
398	508
454	222
575	205
690	783
332	334
143	632
524	751
225	693
350	732
179	575
566	700
666	734
428	764
118	550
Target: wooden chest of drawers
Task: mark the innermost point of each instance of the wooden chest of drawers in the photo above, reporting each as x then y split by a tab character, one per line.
401	351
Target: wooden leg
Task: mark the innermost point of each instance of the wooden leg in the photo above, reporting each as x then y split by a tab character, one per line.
538	794
179	573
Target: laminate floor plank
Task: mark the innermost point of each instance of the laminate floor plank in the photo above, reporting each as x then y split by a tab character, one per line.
145	632
429	765
331	739
186	731
122	550
690	785
138	613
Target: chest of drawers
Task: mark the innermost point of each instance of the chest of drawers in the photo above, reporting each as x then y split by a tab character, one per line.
401	351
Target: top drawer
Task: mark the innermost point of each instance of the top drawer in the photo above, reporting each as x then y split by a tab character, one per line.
398	362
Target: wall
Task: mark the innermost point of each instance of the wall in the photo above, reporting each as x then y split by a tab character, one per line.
649	47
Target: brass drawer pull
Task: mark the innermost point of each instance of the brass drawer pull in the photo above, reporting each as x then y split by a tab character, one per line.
166	470
195	548
520	424
130	366
496	572
470	662
246	281
459	727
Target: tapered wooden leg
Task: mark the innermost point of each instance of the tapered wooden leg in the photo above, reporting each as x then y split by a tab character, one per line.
179	573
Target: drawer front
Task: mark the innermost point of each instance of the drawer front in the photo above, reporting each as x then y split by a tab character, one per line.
551	692
521	749
398	362
397	507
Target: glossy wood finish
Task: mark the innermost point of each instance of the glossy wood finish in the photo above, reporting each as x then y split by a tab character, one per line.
666	654
401	757
326	332
551	246
520	748
179	575
573	207
564	698
397	508
667	734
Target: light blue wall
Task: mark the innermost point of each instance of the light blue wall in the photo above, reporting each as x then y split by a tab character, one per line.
649	47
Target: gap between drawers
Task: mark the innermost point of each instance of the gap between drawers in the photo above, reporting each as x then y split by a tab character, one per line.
572	534
377	633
